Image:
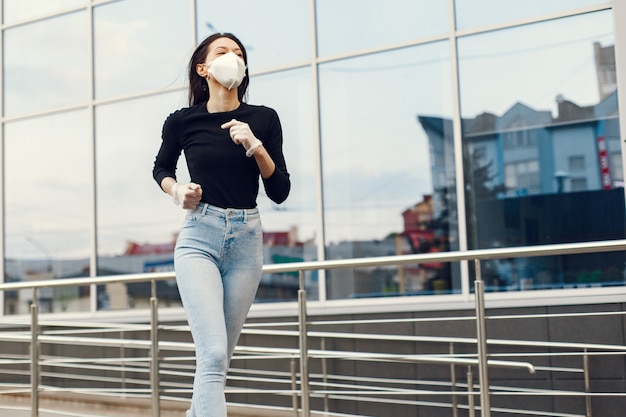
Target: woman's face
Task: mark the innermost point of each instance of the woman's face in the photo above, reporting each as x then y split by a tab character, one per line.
222	46
217	48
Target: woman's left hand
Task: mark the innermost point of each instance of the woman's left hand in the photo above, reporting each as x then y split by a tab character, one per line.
241	134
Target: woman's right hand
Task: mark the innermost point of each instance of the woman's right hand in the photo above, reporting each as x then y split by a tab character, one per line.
187	195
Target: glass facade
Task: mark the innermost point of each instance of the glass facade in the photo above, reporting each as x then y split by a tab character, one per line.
410	127
540	126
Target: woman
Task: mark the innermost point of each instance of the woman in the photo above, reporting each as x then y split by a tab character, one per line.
218	257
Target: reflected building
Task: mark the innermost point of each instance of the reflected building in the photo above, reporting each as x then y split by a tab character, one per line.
604	57
538	178
426	232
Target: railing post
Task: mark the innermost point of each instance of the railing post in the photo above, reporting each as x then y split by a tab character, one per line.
34	356
123	364
294	387
304	355
470	392
455	406
324	374
154	351
587	384
481	332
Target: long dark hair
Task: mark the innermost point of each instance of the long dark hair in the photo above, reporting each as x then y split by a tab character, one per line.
198	89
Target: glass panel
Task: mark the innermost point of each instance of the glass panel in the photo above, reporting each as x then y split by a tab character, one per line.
133	52
137	222
40	76
385	189
48	213
352	25
540	103
475	13
274	32
290	228
17	10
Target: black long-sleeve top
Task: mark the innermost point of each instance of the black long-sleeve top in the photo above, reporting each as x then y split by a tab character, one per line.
228	178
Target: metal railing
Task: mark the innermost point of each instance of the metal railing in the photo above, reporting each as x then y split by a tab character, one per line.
164	371
325	384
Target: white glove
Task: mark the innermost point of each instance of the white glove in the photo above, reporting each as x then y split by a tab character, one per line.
241	134
187	195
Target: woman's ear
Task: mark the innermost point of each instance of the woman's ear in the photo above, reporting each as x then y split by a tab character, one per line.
202	70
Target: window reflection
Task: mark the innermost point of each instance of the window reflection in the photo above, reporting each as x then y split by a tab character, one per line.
17	10
48	211
133	51
137	222
289	229
55	72
540	136
382	194
352	25
272	39
475	13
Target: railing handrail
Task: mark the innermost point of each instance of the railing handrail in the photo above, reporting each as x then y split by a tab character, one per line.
441	339
395	260
65	339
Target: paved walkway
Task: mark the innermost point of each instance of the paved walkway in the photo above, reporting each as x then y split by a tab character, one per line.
51	407
19	411
10	411
25	412
65	404
58	406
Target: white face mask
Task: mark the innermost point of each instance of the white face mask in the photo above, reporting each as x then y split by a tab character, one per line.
228	70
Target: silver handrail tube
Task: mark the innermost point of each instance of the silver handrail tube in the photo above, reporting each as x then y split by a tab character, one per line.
588	410
154	353
304	351
34	356
455	406
470	392
453	256
481	337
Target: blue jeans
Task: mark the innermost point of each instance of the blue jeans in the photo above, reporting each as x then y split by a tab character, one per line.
218	262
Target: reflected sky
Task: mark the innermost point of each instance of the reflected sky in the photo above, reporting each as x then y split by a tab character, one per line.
532	64
290	94
274	32
47	198
133	50
375	154
342	30
131	206
55	72
476	13
15	10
